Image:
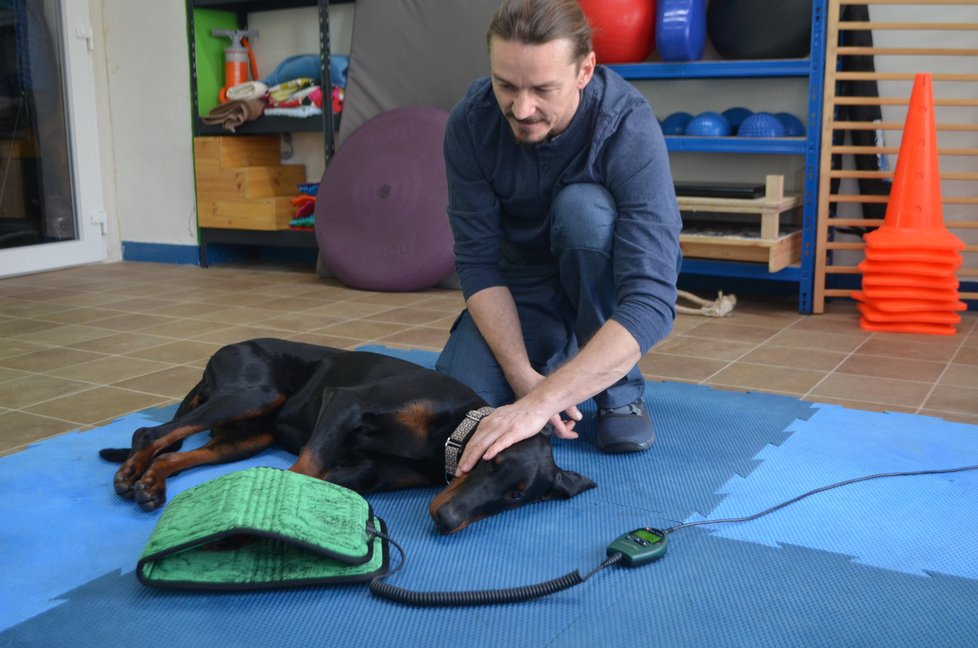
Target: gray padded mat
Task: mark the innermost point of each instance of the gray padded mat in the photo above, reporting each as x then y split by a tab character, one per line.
413	53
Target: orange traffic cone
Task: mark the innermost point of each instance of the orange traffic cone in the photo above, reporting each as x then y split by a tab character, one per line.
912	307
908	283
896	281
898	254
925	269
907	292
914	215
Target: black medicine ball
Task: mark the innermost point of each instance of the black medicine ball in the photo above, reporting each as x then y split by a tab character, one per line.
760	29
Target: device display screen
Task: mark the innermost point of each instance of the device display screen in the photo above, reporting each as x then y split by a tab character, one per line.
648	536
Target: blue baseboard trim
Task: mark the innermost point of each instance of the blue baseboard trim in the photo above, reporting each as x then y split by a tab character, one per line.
217	254
160	253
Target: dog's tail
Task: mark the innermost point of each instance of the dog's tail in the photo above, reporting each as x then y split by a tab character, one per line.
115	455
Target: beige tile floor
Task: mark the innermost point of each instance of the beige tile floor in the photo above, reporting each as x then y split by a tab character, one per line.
82	346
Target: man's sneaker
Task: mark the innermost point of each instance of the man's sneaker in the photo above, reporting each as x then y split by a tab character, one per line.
625	429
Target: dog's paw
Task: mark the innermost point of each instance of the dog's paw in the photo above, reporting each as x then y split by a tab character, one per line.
149	494
123	488
123	481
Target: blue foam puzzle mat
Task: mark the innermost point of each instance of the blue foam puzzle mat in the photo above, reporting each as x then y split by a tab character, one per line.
880	563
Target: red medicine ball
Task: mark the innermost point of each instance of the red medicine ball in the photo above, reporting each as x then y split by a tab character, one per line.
623	30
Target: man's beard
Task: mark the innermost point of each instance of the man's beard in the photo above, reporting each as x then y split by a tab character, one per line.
515	126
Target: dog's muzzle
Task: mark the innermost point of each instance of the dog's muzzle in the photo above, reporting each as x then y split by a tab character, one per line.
455	444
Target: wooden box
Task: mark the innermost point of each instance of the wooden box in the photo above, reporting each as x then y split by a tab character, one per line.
241	183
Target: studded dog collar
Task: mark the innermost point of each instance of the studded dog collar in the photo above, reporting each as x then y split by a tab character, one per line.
455	444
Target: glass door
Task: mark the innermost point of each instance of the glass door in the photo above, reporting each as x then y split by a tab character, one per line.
50	189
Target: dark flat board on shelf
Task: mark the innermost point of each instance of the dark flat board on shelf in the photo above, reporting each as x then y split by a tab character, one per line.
746	190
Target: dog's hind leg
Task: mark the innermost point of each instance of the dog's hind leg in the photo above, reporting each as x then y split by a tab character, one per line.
229	443
190	402
219	409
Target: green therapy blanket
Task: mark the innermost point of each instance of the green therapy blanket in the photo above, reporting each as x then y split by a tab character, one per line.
260	528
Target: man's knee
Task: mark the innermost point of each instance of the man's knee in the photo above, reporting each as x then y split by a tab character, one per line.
583	218
468	359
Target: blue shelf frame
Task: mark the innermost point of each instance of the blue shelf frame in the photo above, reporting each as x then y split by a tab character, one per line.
812	68
740	270
714	69
752	145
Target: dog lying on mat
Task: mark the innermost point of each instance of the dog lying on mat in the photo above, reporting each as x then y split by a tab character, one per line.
362	420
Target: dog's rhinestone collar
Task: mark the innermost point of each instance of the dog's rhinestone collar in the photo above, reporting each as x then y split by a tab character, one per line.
456	442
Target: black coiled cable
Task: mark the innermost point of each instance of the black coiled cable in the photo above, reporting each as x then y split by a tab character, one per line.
477	597
528	592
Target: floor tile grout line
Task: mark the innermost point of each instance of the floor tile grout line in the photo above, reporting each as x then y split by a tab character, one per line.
90	387
754	348
164	401
947	366
834	369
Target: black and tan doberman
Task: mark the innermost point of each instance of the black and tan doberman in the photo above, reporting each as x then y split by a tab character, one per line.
363	420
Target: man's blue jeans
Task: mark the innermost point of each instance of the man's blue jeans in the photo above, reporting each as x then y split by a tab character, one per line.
561	300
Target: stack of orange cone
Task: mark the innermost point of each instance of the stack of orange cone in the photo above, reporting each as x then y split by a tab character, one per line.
909	283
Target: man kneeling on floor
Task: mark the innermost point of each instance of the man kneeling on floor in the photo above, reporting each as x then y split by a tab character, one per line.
566	234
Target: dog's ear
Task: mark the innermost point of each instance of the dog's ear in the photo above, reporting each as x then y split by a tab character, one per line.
568	483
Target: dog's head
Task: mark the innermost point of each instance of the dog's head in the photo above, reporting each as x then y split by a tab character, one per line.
522	473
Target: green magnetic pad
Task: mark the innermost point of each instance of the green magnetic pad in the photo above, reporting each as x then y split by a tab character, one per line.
263	527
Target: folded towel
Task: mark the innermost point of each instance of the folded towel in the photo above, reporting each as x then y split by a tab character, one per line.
312	96
300	111
308	209
247	90
303	222
282	91
234	113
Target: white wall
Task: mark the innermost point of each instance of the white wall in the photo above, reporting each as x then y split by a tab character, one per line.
144	121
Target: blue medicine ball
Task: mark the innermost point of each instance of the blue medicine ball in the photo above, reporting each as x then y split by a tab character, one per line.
792	125
709	124
675	124
762	124
736	115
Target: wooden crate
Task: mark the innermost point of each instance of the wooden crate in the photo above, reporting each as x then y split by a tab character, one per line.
214	153
766	243
262	214
241	183
251	182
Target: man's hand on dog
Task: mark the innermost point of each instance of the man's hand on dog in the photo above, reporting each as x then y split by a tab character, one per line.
511	424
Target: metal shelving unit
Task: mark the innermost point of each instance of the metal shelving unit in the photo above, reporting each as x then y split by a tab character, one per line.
811	68
265	125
